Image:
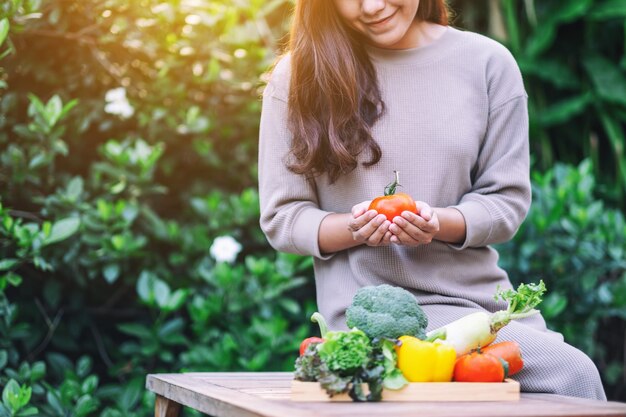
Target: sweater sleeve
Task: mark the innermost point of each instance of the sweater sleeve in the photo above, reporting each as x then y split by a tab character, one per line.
500	196
290	213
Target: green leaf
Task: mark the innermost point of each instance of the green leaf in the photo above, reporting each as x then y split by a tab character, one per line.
11	396
69	390
151	289
290	306
13	279
28	411
564	110
177	299
4	358
144	286
55	403
171	327
74	189
8	263
131	394
25	394
4	29
37	371
118	242
60	147
609	9
89	384
551	70
67	107
136	329
54	107
85	405
83	366
161	293
607	78
617	138
570	10
553	305
111	273
541	40
38	160
62	230
36	106
119	187
395	380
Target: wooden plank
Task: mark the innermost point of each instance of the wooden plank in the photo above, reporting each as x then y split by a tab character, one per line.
164	407
264	394
419	391
527	407
199	394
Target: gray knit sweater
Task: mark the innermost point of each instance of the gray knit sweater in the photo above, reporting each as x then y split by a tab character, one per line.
456	128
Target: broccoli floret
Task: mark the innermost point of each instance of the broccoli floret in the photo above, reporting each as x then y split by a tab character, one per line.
386	311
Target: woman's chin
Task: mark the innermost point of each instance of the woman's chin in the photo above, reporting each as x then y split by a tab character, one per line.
387	41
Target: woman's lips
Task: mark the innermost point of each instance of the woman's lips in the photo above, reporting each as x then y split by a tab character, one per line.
380	23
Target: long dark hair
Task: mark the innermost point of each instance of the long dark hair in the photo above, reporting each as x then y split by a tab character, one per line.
334	97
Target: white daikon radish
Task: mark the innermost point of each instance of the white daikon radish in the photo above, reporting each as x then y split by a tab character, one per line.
480	329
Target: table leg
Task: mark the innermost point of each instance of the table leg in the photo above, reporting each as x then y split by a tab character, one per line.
164	407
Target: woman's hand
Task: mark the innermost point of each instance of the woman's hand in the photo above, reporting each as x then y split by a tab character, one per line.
412	229
369	227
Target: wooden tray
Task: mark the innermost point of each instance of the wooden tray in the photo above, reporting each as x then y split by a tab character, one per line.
421	391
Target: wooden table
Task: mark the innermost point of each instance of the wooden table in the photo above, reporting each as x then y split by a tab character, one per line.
248	394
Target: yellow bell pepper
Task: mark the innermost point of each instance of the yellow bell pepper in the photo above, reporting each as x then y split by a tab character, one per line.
422	361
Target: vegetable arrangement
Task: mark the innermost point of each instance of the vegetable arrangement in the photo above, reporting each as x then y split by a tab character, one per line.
387	346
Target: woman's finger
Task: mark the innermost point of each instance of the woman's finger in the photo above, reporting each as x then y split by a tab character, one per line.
377	237
406	218
362	232
358	222
408	235
425	210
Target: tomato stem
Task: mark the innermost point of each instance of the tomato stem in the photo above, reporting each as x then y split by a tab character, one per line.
390	189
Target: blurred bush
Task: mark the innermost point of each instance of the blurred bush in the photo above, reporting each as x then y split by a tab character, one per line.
577	245
129	238
573	58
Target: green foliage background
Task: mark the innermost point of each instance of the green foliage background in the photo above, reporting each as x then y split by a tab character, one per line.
107	220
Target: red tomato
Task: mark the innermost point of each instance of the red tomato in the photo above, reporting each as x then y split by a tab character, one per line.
478	367
392	204
306	342
510	352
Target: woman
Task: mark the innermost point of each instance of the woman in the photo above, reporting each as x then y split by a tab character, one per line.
374	86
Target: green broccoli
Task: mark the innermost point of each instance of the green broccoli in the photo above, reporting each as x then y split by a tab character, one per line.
386	311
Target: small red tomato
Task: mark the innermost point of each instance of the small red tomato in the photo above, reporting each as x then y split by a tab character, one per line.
306	342
478	367
392	204
510	352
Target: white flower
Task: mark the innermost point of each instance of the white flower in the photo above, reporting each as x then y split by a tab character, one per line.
116	94
117	103
225	249
120	108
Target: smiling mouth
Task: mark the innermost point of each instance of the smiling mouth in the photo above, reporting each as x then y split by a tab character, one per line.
381	21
